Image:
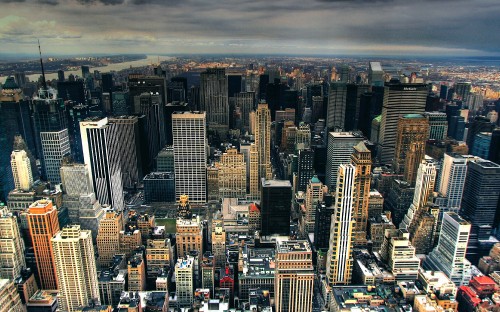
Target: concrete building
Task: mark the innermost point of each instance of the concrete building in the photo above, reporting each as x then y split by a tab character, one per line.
75	268
232	175
314	195
258	270
108	237
165	160
294	276
11	246
438	125
399	99
43	300
263	140
189	236
136	272
214	98
9	298
362	162
452	179
400	255
159	187
43	224
335	116
190	155
340	148
219	243
339	260
21	170
184	280
276	202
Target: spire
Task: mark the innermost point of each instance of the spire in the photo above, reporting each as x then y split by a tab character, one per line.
44	82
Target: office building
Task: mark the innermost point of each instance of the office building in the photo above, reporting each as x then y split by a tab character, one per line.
189	236
462	90
75	179
190	155
438	125
399	100
336	111
376	74
136	272
258	266
21	170
10	301
43	225
452	179
413	132
294	276
184	281
108	236
102	152
254	218
253	179
11	245
323	222
214	98
479	203
494	154
275	202
16	119
127	131
159	254
159	187
449	254
165	159
476	126
314	194
340	148
482	143
72	248
339	260
246	102
399	254
51	125
232	174
361	160
305	169
219	243
263	140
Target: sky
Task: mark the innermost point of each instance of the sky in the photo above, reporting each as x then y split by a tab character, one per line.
305	27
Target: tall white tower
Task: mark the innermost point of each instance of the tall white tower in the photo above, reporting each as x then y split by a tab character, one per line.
21	170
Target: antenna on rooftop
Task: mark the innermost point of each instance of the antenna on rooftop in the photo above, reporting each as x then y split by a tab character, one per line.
44	82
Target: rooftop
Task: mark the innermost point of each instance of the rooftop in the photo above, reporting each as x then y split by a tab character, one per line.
289	246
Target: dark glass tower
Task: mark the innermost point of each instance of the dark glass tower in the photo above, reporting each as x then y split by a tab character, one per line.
275	201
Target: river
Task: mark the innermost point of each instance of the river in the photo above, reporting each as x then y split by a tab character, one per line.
150	59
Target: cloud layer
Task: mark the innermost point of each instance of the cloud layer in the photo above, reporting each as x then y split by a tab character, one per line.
258	26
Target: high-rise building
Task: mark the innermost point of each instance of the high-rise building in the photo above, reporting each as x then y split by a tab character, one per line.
188	230
136	269
479	203
340	148
438	125
51	126
214	98
253	179
462	90
219	243
190	155
159	187
21	170
232	174
399	100
263	140
314	195
11	245
323	222
399	254
108	236
127	131
102	152
482	143
73	254
376	74
246	102
477	125
336	111
16	119
294	276
43	225
275	202
452	179
184	281
449	254
362	161
339	260
165	159
10	301
494	154
305	169
413	132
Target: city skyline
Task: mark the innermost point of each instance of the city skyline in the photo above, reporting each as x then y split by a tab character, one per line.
258	27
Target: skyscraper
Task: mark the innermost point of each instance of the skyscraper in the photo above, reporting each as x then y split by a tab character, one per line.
21	170
339	260
11	245
361	160
399	100
314	195
190	155
340	148
438	125
452	179
184	281
232	175
43	225
219	243
101	152
305	169
479	203
108	236
336	106
73	254
294	277
214	99
246	102
413	132
275	202
449	254
263	140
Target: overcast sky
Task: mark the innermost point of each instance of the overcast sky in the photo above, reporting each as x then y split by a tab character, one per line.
390	27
